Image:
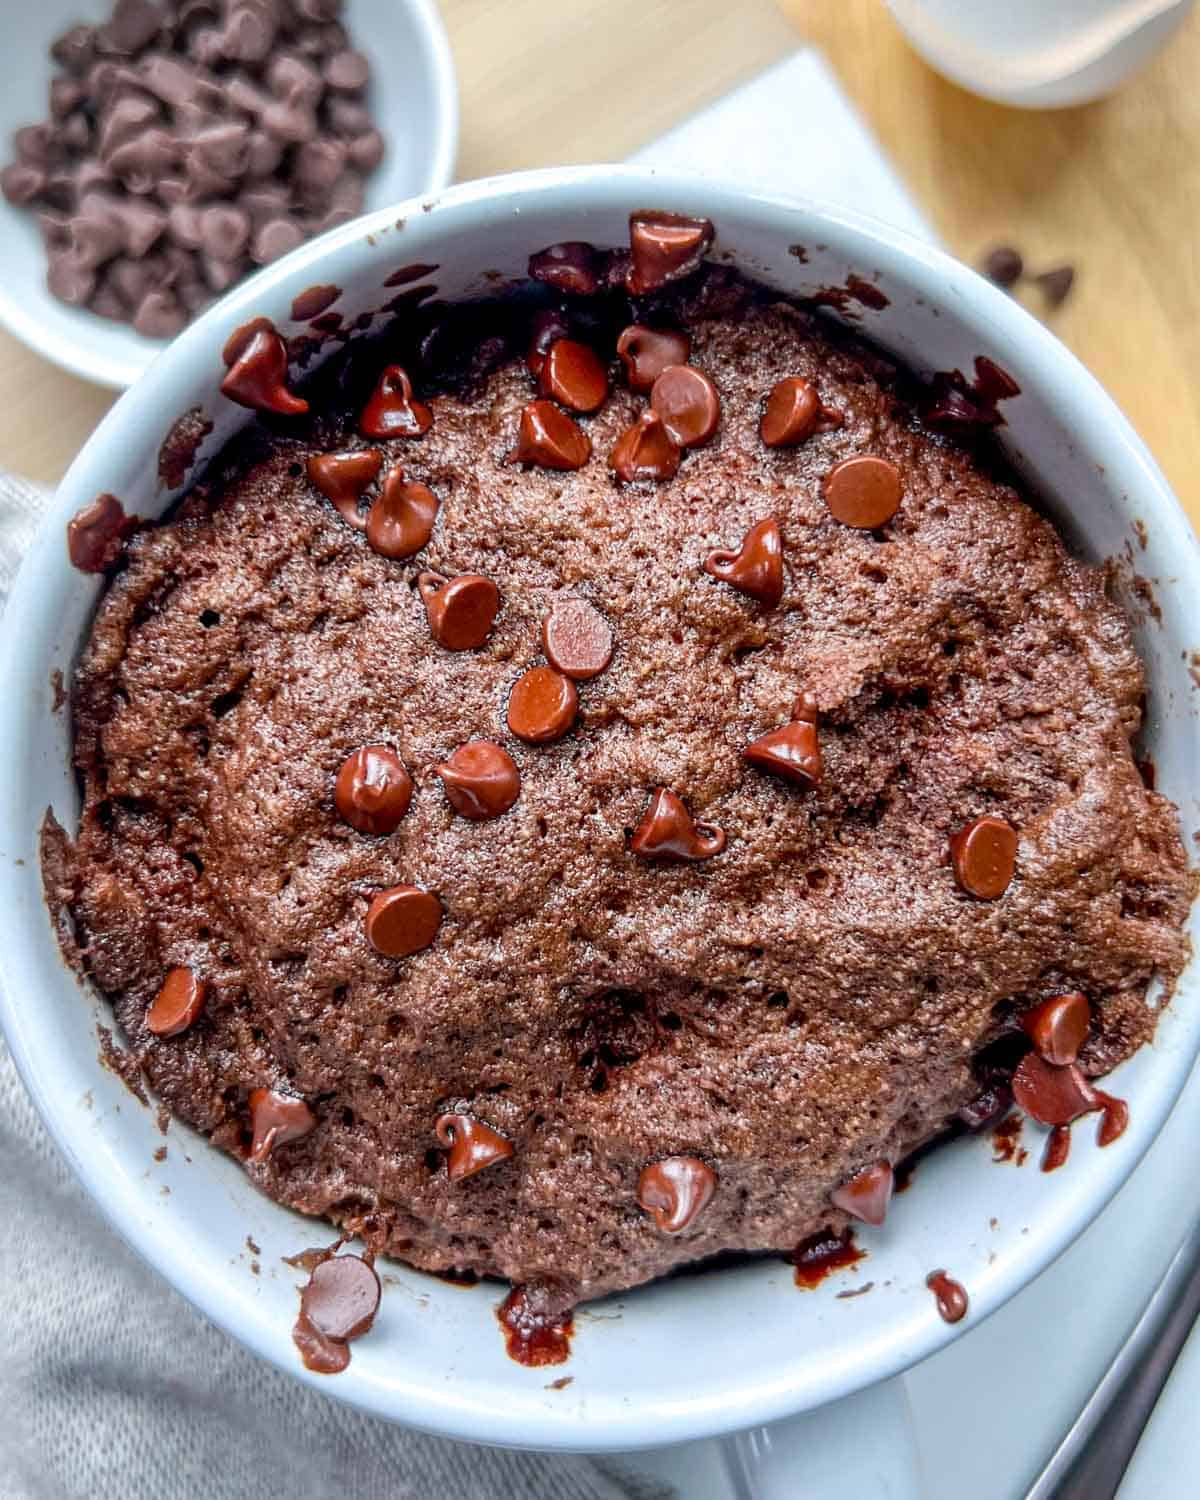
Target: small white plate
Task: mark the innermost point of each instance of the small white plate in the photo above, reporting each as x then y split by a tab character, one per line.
413	96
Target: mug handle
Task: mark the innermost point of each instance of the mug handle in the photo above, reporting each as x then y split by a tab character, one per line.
863	1445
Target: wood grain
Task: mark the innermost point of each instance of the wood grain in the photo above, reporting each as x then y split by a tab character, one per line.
1113	188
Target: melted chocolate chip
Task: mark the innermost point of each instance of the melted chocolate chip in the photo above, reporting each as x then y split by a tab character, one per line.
373	790
867	1195
984	857
473	1146
791	414
1052	1095
951	1296
688	403
341	1298
548	325
276	1119
577	639
675	1190
646	353
542	706
549	438
481	780
668	831
96	536
574	376
324	1356
756	568
401	520
403	920
664	247
178	1004
863	492
258	377
1058	1027
792	751
393	411
343	477
461	611
568	267
312	302
645	451
533	1335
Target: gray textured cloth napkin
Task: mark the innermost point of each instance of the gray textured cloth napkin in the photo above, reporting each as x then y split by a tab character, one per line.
111	1384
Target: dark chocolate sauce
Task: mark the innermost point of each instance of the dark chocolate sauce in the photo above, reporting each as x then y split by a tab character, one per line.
865	293
323	1355
530	1339
821	1255
1006	1141
308	1260
1058	1148
312	302
405	274
951	1296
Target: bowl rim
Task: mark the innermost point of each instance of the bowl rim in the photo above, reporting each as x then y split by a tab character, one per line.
93	362
779	1392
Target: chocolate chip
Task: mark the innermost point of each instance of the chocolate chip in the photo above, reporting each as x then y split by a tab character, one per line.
687	401
401	520
178	1003
792	413
542	706
547	325
756	568
863	491
159	315
668	831
293	79
577	639
75	49
134	25
258	377
69	280
248	35
793	751
984	856
867	1195
224	231
239	340
276	237
1004	265
343	477
646	353
96	535
952	1302
473	1146
1058	1027
403	920
21	183
645	451
664	248
347	72
675	1190
569	267
276	1119
481	780
986	1108
549	438
393	411
574	376
1052	1095
1057	284
373	789
341	1298
461	611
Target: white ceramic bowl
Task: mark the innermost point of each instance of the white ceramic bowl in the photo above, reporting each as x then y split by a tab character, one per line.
685	1357
413	95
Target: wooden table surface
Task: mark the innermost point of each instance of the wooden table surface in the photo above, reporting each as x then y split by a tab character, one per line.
1113	188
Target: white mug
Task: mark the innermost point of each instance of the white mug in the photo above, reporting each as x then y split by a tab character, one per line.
696	1356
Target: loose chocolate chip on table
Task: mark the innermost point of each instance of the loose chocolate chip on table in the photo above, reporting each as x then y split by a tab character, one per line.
984	857
549	438
258	377
393	411
276	1119
546	326
343	477
96	535
863	491
472	1145
668	831
341	1298
569	267
645	451
400	522
481	780
664	247
178	1004
688	403
403	920
792	751
373	789
1058	1027
1057	284
646	353
1004	265
791	414
867	1195
542	706
756	568
573	375
675	1190
1052	1095
461	611
577	639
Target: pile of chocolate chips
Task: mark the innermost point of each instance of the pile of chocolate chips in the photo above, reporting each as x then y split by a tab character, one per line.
188	142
